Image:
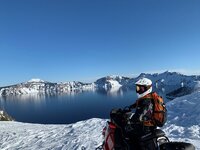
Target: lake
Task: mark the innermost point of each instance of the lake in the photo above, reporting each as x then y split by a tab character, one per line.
65	108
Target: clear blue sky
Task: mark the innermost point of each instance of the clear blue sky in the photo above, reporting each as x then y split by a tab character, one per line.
66	40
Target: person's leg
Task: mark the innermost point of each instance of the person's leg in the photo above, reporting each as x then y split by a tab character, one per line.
134	136
150	144
119	141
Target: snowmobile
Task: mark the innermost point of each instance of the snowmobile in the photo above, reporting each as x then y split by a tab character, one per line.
157	140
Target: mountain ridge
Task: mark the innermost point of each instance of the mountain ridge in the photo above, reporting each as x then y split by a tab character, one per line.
166	81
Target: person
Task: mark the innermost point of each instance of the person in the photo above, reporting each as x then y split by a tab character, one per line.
141	122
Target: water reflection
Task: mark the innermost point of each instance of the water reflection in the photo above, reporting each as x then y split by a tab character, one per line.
40	97
113	92
36	97
66	107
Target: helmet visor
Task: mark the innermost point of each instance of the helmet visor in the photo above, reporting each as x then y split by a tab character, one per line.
140	89
137	88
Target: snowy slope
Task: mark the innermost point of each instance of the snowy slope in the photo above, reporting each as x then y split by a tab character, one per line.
15	135
183	125
184	119
185	111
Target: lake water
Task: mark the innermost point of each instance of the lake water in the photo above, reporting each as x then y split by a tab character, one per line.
65	108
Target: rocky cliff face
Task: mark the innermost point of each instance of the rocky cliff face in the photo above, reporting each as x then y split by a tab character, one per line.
4	116
40	86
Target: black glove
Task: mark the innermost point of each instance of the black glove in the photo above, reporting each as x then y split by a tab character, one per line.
126	109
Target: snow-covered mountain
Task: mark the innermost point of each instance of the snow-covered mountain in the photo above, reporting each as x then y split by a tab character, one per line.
183	125
110	82
40	86
169	81
172	83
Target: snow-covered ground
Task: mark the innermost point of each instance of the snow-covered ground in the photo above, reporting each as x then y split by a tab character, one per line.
16	135
183	125
184	119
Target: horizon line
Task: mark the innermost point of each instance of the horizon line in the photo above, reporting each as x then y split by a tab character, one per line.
93	79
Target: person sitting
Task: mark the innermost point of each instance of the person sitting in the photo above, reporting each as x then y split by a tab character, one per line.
143	122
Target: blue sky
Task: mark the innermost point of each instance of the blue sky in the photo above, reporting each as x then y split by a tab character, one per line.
66	40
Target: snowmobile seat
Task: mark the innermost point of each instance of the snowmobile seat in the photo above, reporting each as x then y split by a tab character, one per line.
149	141
155	134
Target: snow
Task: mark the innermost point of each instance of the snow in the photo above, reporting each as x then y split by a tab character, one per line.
114	84
186	108
110	83
183	116
28	90
184	134
183	125
16	135
36	80
171	81
167	81
184	120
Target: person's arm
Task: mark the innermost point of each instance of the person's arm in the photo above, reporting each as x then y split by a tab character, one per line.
147	110
133	106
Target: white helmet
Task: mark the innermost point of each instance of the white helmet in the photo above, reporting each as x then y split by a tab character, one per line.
144	81
143	87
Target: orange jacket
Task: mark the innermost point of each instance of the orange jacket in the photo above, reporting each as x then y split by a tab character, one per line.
144	110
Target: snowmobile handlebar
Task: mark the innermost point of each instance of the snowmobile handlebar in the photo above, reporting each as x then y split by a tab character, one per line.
126	109
121	111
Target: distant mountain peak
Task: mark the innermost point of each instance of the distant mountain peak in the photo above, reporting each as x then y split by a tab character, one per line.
170	72
36	80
